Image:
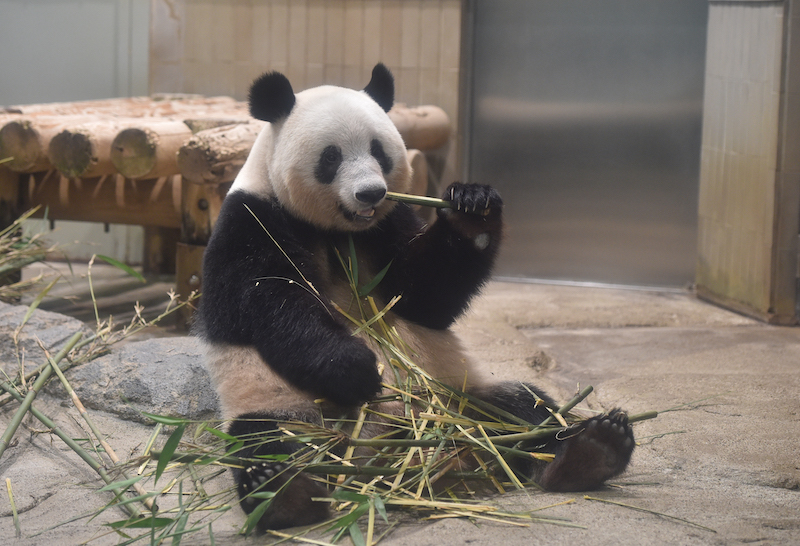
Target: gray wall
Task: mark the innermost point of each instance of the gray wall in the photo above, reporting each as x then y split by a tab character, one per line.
586	114
68	50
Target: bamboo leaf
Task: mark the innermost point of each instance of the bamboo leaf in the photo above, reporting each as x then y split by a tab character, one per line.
169	448
180	527
124	267
352	517
221	435
349	496
150	522
356	535
370	286
164	420
255	516
123	484
353	259
380	507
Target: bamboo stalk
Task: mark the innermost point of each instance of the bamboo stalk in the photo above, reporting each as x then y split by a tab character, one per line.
37	385
640	509
14	514
419	200
82	453
148	502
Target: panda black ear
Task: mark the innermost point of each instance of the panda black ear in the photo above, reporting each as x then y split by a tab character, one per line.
271	97
381	87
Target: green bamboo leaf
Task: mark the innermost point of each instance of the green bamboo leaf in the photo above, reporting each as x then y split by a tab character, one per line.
221	435
353	260
356	535
352	517
180	529
278	457
149	522
119	265
123	484
349	496
255	516
377	502
164	420
169	448
369	287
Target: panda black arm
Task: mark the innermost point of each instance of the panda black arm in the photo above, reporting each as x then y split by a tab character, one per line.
438	271
254	295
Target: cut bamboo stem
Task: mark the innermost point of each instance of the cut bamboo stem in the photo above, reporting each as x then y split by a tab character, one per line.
148	501
419	200
14	513
5	440
82	453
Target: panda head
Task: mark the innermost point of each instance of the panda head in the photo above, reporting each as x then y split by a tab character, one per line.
329	154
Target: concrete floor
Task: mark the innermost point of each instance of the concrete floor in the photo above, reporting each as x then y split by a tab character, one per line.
723	467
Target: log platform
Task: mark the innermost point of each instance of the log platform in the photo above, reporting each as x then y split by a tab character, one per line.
163	162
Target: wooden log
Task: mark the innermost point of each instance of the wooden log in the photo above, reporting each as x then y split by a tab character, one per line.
26	139
150	149
422	127
215	156
84	151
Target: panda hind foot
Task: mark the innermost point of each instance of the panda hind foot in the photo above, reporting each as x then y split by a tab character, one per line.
292	505
590	453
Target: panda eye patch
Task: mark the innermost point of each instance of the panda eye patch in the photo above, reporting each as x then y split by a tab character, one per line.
328	164
376	150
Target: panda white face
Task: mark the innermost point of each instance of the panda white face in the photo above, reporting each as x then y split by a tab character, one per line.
329	154
335	157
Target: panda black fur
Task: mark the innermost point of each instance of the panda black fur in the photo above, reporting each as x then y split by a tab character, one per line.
318	174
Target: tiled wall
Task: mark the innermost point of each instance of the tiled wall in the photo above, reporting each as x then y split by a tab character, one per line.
750	162
219	46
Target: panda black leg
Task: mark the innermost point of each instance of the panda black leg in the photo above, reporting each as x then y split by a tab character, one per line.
292	505
586	454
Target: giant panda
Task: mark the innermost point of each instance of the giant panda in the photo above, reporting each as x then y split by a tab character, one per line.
316	178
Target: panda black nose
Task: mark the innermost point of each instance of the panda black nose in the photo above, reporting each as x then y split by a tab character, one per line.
371	197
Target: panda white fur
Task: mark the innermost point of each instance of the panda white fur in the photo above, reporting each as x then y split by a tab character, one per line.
317	175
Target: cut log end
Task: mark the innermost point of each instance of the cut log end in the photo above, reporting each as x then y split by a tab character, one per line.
72	153
133	152
20	141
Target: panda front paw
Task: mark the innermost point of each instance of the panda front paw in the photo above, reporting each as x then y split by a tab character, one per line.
476	213
351	376
476	199
589	453
292	504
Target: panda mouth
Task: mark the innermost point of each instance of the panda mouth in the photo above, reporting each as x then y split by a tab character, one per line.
365	214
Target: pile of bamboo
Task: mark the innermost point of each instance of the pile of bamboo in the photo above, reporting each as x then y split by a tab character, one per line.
162	162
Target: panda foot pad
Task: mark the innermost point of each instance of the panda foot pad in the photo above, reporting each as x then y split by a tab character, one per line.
610	430
265	476
590	452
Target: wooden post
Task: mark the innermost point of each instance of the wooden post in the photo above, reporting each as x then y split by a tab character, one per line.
9	196
160	249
